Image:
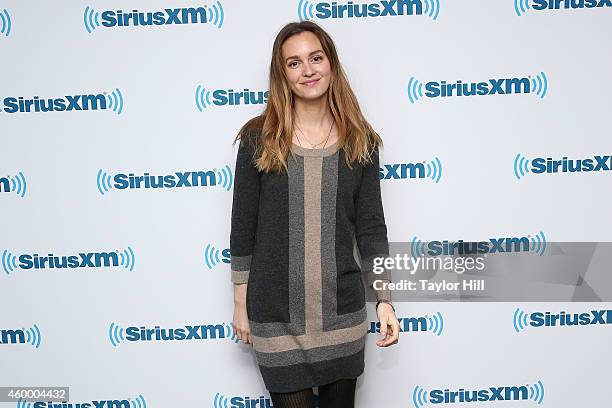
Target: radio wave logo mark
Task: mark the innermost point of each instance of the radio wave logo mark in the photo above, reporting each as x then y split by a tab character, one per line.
33	336
434	170
128	260
225	177
202	98
436	323
115	334
521	7
536	392
432	8
519	320
415	90
230	333
215	14
211	256
221	401
138	402
19	184
419	397
539	84
305	10
417	247
91	19
103	181
521	166
5	23
24	404
9	262
538	243
115	101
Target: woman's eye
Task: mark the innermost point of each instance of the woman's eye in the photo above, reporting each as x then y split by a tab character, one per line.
292	64
318	58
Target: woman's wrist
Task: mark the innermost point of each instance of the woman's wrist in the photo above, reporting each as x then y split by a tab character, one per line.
385	301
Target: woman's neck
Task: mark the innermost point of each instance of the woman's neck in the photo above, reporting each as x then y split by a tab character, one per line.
312	115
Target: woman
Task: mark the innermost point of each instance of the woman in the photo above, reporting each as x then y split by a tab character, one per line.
306	184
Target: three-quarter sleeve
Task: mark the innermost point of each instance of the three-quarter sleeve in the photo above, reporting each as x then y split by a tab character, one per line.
370	227
245	204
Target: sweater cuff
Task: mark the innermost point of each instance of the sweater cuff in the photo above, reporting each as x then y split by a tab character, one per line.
240	266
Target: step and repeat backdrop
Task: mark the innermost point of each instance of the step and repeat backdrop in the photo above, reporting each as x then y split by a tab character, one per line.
116	176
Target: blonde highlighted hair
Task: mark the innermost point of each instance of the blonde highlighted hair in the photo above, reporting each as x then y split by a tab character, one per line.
275	125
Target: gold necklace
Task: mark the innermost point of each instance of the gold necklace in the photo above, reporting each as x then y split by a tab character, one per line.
314	146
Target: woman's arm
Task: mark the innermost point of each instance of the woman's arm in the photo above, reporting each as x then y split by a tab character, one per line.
245	206
370	227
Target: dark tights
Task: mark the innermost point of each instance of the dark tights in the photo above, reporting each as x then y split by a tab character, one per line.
339	394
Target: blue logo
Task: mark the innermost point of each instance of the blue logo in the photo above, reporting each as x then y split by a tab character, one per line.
29	336
529	243
214	256
522	320
206	14
222	97
112	101
120	258
431	169
239	401
137	402
16	184
117	334
548	165
222	177
522	6
308	10
5	23
537	85
433	323
534	392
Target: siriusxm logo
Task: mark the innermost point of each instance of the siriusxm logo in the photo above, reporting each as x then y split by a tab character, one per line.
308	10
522	6
535	244
537	85
103	101
221	97
5	23
137	402
117	334
434	324
16	184
205	14
398	171
214	256
181	179
521	320
221	401
548	165
534	392
29	336
119	258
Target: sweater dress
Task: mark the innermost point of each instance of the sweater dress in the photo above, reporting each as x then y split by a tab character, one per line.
292	241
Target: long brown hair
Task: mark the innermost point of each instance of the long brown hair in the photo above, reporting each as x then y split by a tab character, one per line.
275	125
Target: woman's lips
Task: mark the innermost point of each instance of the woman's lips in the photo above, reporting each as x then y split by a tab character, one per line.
310	83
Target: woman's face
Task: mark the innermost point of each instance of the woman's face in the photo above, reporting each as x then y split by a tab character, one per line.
306	66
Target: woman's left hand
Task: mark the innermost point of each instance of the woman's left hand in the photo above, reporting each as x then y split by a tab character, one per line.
389	325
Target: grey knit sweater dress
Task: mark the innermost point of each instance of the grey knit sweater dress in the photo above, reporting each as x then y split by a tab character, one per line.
292	239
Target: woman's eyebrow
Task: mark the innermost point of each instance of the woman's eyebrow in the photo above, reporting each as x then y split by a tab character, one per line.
295	56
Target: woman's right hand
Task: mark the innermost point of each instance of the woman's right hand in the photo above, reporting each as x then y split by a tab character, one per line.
241	319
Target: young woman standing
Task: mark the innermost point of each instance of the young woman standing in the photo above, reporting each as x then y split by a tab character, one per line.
306	189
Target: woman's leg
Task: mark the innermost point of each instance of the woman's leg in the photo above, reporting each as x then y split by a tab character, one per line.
339	394
297	399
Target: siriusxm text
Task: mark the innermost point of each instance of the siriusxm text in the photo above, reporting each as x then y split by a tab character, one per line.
324	10
67	103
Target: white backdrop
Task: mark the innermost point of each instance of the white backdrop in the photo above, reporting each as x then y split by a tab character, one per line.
58	173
